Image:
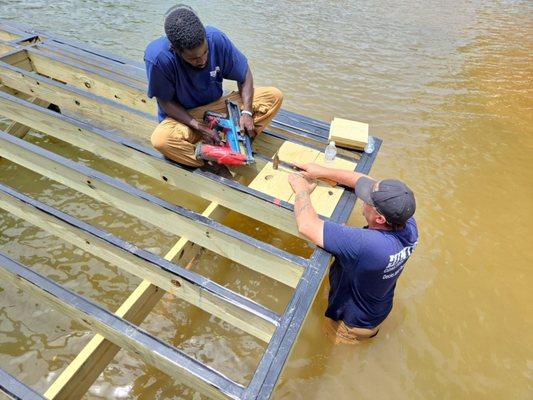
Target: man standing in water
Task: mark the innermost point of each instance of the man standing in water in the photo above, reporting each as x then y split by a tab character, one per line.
185	71
368	261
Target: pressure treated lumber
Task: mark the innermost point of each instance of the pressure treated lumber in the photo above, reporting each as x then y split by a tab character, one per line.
348	133
128	336
4	48
80	374
111	87
252	253
7	35
200	292
148	161
100	110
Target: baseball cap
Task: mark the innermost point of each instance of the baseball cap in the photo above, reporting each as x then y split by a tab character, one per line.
393	199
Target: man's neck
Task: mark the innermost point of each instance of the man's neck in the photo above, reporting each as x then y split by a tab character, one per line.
380	227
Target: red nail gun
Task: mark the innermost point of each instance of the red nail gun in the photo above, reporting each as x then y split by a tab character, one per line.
236	146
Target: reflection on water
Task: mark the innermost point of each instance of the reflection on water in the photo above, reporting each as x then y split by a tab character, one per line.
447	85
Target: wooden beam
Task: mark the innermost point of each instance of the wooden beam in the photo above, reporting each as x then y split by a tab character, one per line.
4	48
189	286
94	61
7	36
243	249
128	336
150	162
101	110
80	374
111	87
20	130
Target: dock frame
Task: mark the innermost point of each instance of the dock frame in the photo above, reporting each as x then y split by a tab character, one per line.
97	101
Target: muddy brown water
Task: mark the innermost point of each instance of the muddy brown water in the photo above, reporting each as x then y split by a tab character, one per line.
447	85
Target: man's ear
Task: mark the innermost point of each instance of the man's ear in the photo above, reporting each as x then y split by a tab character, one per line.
380	219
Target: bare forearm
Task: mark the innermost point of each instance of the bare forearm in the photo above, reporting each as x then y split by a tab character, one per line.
307	220
180	114
347	178
246	89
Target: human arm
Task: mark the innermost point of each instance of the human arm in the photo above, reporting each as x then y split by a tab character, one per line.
246	90
174	110
307	220
162	86
341	176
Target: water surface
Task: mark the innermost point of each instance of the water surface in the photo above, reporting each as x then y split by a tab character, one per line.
447	85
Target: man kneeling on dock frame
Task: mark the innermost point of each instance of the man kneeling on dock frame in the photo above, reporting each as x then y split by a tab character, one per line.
368	261
185	71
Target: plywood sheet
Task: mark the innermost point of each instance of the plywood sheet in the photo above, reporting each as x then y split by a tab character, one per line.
275	182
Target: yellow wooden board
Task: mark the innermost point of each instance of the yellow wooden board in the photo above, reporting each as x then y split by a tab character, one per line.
275	182
296	153
349	133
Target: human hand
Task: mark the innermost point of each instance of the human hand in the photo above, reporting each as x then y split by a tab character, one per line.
312	171
300	184
209	136
246	124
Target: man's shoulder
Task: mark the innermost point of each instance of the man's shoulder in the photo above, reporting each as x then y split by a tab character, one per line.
217	37
158	51
214	33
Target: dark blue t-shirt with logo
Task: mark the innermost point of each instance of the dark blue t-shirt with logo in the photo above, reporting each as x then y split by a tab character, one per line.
172	79
367	265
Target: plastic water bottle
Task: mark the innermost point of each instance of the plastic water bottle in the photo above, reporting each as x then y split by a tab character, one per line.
330	152
369	148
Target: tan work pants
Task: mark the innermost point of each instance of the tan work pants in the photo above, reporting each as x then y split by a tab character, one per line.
338	332
177	141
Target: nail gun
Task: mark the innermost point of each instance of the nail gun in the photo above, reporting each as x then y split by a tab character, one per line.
235	148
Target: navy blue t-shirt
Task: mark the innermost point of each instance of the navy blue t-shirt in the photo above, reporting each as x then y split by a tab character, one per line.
367	265
172	79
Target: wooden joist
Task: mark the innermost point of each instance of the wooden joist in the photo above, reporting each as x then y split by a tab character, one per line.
148	161
193	288
92	80
4	48
259	256
8	35
130	337
103	111
80	374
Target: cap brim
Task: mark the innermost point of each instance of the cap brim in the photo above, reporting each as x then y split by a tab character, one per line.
364	188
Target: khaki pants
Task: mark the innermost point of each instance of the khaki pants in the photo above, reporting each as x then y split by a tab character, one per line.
340	333
177	141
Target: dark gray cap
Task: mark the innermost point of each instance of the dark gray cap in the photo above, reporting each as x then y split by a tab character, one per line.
393	199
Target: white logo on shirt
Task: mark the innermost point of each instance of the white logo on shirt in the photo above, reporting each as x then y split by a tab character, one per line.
397	262
214	72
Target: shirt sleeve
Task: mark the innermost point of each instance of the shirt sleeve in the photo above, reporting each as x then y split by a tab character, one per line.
342	241
235	63
160	85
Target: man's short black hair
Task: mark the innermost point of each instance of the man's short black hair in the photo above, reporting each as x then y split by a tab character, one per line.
183	28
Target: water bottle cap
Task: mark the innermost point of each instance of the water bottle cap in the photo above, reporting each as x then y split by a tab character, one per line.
332	143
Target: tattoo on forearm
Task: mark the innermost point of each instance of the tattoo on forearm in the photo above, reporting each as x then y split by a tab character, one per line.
304	202
302	209
301	195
